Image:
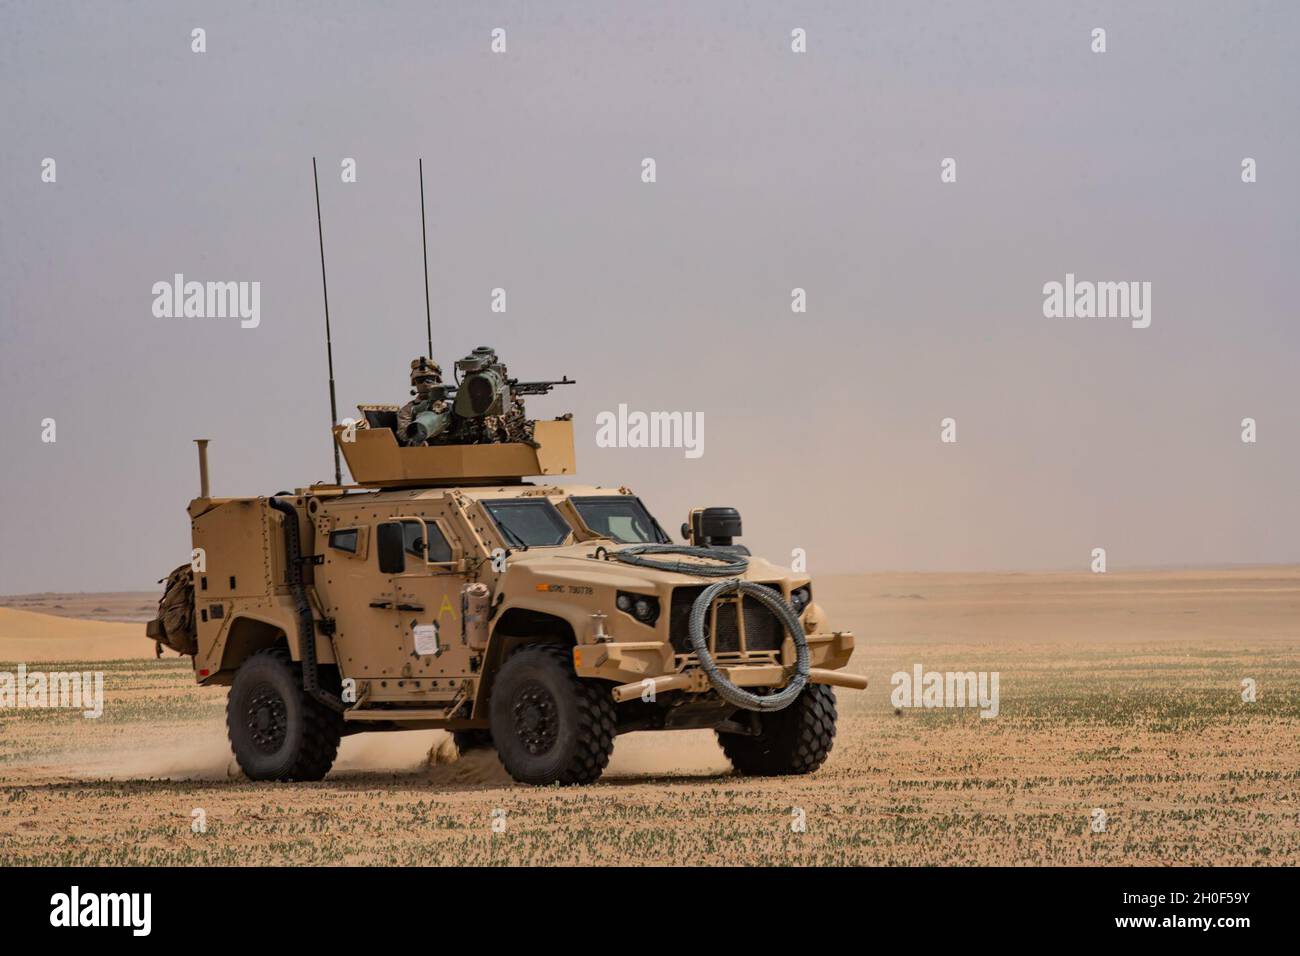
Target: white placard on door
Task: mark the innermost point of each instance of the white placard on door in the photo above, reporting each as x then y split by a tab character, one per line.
426	638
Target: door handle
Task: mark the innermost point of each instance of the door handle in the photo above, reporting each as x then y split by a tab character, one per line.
388	606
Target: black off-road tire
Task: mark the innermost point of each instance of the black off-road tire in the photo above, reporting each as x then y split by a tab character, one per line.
548	724
796	740
276	731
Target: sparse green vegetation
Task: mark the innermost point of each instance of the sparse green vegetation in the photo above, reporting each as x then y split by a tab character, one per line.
1155	733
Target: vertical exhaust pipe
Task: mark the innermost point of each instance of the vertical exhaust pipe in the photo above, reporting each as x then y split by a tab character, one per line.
203	467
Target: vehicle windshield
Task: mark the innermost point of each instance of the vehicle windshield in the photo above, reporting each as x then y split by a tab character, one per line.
528	522
620	518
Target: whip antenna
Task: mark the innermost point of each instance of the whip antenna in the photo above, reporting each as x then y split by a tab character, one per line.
424	239
329	345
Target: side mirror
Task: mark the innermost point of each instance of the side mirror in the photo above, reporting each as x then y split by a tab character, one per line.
391	547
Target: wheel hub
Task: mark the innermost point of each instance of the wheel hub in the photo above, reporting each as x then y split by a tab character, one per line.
266	719
536	718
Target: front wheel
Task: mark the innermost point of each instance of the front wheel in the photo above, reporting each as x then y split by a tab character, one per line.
548	724
796	740
276	731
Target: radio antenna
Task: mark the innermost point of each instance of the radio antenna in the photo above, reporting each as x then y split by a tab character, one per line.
424	239
329	345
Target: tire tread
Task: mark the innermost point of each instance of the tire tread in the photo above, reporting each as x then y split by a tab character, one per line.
322	727
596	724
793	741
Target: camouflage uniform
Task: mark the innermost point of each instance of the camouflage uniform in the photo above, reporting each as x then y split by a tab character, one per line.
514	425
424	375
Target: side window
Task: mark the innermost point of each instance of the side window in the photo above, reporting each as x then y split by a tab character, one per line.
413	535
436	550
346	539
439	549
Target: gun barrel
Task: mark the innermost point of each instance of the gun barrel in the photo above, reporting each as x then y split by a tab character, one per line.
538	388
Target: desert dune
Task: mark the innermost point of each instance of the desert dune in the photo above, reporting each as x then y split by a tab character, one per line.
31	637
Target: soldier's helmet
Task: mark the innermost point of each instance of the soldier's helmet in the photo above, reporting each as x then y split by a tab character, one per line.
423	368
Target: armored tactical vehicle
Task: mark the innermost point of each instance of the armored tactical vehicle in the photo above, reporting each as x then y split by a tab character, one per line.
443	590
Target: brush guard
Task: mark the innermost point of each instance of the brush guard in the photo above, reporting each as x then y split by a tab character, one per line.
784	613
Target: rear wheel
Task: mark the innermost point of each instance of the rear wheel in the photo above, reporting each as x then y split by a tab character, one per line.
796	740
548	724
276	731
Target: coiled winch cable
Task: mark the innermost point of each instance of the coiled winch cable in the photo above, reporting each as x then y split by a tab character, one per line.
784	612
730	564
733	564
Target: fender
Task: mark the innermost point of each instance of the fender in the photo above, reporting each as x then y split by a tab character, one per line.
518	623
226	654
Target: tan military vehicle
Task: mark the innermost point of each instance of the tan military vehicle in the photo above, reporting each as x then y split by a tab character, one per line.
442	590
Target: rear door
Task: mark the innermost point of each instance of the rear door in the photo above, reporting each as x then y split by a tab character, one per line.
360	601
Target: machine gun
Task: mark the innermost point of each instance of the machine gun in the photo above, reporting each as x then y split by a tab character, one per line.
484	405
537	388
484	387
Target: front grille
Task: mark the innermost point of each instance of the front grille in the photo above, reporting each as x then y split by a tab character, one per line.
763	630
679	617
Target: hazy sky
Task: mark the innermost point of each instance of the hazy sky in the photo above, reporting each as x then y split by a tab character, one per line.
775	170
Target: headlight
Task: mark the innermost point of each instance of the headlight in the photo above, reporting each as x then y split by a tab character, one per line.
643	607
800	598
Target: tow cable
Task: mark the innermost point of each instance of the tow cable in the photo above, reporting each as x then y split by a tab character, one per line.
729	566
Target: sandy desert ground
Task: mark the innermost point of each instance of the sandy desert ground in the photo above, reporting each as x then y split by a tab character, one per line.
1120	693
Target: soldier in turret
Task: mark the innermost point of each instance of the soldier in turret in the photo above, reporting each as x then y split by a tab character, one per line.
514	425
425	376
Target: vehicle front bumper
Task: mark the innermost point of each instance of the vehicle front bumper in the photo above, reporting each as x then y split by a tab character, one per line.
632	664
